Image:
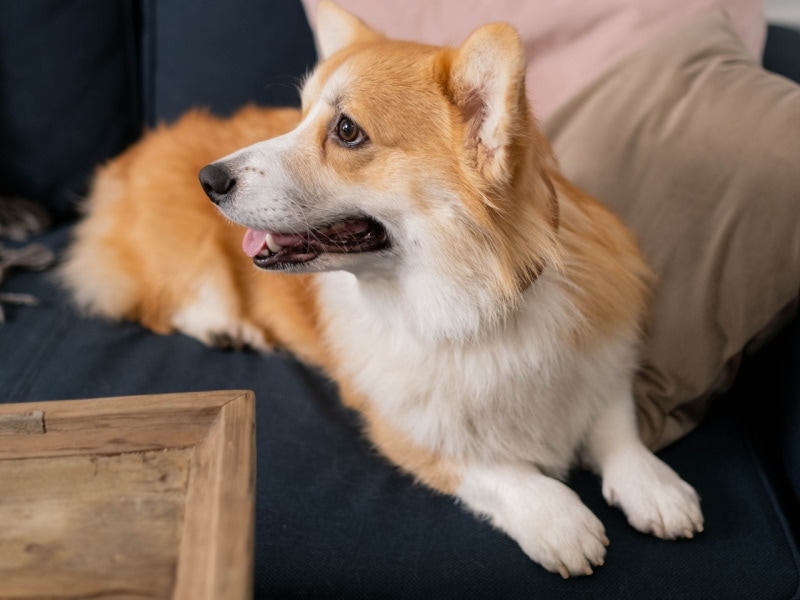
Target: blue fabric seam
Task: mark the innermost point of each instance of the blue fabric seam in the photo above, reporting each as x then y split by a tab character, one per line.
149	49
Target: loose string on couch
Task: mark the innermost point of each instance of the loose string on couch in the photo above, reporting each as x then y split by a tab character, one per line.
20	220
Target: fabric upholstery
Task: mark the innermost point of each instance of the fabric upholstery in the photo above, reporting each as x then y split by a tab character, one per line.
222	55
780	363
780	54
334	520
68	95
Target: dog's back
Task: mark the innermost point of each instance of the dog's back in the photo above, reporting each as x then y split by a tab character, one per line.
152	249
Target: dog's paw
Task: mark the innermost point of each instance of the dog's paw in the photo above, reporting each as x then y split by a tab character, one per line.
241	337
653	497
563	535
236	335
215	329
546	518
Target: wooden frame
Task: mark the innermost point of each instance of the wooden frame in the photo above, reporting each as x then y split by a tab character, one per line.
157	492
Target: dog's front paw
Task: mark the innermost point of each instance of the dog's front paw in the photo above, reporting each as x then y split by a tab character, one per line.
545	517
562	535
654	498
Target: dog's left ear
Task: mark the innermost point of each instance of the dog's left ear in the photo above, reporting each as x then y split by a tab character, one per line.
337	29
487	83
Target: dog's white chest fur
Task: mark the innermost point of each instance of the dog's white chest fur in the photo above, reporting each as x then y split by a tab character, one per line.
514	392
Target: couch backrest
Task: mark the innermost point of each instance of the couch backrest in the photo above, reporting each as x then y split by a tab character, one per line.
79	80
222	54
67	95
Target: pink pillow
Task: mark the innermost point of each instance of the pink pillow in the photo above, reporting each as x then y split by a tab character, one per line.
568	42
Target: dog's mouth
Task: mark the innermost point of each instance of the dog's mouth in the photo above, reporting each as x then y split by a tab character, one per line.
275	250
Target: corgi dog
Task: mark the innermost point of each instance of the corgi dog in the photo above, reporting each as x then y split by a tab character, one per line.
413	236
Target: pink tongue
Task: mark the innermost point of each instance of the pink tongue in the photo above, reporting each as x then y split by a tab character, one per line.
287	239
253	242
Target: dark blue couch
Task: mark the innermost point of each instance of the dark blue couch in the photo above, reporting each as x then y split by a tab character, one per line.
334	520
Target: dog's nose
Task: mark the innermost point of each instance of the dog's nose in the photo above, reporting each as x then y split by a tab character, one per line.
217	181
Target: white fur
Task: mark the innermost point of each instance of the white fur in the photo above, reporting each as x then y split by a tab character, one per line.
544	516
337	29
513	392
210	318
263	183
651	494
516	405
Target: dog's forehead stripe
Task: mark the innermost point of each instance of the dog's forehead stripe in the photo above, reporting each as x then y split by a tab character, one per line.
310	117
335	88
311	86
329	83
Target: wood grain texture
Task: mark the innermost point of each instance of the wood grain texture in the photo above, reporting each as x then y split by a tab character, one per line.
136	497
91	524
28	422
222	484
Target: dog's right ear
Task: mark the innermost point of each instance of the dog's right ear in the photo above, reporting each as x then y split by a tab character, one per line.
337	29
487	83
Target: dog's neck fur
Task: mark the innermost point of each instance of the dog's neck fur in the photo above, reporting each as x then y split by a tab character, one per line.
444	301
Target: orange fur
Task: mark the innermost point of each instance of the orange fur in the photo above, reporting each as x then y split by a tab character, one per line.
612	281
152	236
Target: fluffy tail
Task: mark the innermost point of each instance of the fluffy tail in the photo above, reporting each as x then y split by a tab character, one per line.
96	272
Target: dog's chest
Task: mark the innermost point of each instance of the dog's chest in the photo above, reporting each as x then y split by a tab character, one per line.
517	393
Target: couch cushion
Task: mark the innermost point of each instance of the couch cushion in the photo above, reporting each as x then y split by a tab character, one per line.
767	403
334	520
695	146
778	429
67	95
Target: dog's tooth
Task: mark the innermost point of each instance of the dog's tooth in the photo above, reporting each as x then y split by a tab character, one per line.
272	244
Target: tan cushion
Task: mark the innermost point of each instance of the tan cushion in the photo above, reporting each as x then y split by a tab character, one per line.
697	148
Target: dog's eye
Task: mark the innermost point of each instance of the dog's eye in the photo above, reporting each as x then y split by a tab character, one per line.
348	132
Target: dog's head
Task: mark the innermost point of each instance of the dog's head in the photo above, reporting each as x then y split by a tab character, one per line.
408	158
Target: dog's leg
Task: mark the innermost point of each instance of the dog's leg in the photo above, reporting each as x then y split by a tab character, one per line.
654	498
430	468
544	516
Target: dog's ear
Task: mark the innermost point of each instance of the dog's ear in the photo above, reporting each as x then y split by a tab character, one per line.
487	83
337	29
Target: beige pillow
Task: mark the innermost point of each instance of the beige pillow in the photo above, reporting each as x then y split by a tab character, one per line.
568	42
697	148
